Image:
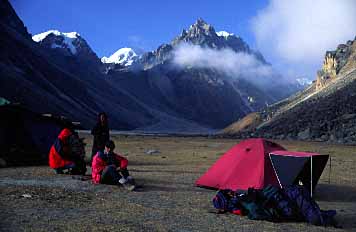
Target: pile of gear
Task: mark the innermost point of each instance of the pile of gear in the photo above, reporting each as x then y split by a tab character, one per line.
275	204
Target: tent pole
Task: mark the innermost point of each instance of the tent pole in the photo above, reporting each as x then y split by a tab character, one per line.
311	176
275	172
329	169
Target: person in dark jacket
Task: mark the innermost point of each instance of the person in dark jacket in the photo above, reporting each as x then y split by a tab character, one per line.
100	133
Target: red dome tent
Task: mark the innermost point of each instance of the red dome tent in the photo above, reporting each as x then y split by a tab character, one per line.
257	163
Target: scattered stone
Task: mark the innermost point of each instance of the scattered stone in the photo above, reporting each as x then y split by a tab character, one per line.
324	137
26	195
304	135
332	138
152	151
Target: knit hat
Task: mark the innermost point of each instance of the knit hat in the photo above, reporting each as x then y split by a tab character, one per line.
110	144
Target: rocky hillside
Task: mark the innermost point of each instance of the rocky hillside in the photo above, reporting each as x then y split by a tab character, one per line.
325	111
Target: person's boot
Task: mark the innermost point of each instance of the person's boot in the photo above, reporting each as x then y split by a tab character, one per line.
126	184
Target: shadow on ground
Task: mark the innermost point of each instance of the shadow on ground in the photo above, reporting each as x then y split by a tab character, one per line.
333	192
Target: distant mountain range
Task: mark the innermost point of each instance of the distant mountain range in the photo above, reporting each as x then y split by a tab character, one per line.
165	90
54	80
324	111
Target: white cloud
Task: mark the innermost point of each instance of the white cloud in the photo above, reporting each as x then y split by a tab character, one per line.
303	30
226	60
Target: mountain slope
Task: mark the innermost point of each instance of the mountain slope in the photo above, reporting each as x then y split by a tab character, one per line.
324	111
47	80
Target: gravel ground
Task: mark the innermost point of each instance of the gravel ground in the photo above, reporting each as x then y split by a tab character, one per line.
35	199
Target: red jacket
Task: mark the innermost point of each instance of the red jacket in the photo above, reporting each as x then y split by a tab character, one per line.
59	153
101	160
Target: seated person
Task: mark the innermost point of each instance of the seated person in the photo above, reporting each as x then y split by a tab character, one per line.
111	168
67	153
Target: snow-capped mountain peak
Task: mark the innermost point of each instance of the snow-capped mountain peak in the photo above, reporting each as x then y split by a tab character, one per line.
123	56
42	36
224	33
66	42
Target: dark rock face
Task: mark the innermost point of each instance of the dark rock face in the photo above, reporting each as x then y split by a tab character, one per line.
200	33
200	95
203	34
9	17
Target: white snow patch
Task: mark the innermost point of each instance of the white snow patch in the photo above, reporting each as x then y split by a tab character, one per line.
68	39
122	56
42	36
224	34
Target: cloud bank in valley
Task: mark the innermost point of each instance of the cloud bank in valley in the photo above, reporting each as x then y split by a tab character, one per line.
303	30
225	60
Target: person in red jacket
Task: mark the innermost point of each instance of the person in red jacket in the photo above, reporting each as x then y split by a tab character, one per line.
111	168
67	153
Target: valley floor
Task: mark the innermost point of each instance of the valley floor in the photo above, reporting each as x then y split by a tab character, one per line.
35	199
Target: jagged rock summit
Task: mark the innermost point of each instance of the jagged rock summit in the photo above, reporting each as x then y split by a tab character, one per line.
203	34
335	63
200	34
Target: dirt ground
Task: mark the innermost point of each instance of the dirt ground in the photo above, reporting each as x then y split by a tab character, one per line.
35	199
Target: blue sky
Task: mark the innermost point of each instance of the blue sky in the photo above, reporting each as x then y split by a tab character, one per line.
292	35
110	25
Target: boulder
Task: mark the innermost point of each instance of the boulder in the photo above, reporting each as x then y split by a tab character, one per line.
2	163
304	135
